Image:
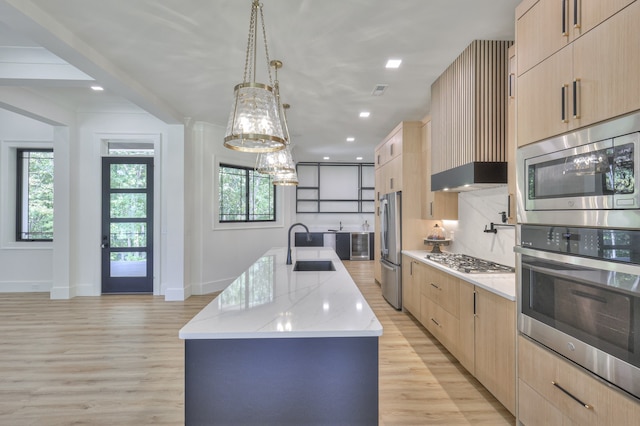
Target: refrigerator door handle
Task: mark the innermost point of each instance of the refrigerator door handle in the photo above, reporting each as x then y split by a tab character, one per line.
387	267
384	225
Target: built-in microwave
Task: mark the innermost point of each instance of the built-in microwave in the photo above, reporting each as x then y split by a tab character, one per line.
584	178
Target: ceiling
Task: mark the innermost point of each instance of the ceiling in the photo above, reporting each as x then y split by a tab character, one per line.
180	59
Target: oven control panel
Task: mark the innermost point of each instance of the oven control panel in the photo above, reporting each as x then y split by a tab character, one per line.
620	245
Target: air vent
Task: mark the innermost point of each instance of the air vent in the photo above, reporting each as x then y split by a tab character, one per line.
379	89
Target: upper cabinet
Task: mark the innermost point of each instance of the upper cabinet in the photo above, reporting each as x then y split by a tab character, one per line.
511	138
435	205
468	111
586	75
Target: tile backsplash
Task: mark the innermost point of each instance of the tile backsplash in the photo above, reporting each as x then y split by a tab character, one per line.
477	209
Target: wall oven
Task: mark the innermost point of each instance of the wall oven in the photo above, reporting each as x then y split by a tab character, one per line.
580	296
582	178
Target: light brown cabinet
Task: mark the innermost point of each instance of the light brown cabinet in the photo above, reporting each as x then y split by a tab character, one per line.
546	26
475	325
487	344
398	161
550	388
437	205
412	273
512	146
568	85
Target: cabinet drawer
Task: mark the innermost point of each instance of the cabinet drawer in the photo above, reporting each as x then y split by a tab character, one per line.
534	410
443	289
444	326
540	369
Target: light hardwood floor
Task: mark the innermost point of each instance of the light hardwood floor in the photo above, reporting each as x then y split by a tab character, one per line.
117	360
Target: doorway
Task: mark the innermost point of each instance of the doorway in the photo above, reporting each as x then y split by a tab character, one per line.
127	225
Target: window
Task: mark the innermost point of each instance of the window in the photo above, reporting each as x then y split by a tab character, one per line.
34	201
245	195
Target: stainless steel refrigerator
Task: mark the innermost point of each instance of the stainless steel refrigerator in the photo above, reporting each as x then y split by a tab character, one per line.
391	246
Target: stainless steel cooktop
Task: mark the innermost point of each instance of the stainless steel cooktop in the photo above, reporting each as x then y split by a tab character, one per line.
468	264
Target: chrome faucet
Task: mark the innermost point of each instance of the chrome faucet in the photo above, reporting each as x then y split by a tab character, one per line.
289	262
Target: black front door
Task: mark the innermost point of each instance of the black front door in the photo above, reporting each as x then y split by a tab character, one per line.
127	225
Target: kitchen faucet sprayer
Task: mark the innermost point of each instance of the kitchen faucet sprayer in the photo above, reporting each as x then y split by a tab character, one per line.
289	262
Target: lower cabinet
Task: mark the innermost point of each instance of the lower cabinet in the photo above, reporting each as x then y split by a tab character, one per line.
550	387
343	245
477	326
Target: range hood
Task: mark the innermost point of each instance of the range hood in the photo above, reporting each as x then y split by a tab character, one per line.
470	177
469	119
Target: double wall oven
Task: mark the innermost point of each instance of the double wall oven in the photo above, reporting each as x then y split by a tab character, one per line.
579	248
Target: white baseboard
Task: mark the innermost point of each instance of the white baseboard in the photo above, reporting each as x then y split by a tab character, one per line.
211	286
25	286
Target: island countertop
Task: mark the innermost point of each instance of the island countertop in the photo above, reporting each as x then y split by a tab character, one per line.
503	285
270	300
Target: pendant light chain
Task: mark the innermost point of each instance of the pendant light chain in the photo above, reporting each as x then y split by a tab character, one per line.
248	64
266	48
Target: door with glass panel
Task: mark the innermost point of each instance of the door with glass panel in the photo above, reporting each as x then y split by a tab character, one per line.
127	225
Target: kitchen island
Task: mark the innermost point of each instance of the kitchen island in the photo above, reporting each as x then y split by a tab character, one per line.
280	346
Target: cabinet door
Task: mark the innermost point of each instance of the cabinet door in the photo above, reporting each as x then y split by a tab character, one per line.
541	110
495	326
409	283
443	289
606	68
540	32
343	245
585	15
511	138
394	174
436	205
466	345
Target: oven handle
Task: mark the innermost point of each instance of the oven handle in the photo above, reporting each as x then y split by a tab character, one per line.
559	258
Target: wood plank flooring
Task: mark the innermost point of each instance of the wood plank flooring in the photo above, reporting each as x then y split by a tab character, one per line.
118	360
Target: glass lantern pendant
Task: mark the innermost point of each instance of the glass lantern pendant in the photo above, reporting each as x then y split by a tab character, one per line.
254	123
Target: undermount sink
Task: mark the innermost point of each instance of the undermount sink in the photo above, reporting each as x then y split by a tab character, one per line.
314	265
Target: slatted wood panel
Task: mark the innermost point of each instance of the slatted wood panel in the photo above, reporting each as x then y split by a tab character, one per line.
468	107
117	360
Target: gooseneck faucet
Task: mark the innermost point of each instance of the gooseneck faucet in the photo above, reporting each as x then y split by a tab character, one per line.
289	262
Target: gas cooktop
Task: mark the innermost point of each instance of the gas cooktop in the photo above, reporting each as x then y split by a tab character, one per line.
468	264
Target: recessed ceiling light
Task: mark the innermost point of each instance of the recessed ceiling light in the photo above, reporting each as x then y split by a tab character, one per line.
365	114
97	88
326	158
350	139
393	63
358	158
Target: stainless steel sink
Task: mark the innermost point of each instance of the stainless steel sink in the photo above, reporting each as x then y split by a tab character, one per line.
314	265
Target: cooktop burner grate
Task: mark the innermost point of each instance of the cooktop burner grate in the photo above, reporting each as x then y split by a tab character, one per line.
468	264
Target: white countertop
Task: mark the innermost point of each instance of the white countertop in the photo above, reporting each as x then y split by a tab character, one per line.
503	284
270	300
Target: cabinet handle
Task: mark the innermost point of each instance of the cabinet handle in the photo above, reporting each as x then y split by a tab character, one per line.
511	77
391	150
435	286
391	183
431	208
576	98
509	206
576	21
378	159
475	303
563	100
566	392
564	18
436	322
411	268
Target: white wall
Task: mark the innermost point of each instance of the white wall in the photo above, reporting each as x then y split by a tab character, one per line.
219	254
477	209
24	266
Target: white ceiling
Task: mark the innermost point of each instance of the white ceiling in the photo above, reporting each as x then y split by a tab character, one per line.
182	58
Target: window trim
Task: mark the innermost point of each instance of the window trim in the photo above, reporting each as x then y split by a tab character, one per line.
19	194
248	173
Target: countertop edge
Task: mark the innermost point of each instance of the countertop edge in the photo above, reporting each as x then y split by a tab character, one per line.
419	255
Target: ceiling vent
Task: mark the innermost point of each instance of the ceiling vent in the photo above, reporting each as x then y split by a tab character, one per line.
379	89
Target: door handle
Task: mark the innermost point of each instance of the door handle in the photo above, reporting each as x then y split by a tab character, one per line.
105	242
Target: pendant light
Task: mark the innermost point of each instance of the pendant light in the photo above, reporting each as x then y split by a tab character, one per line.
254	122
279	161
